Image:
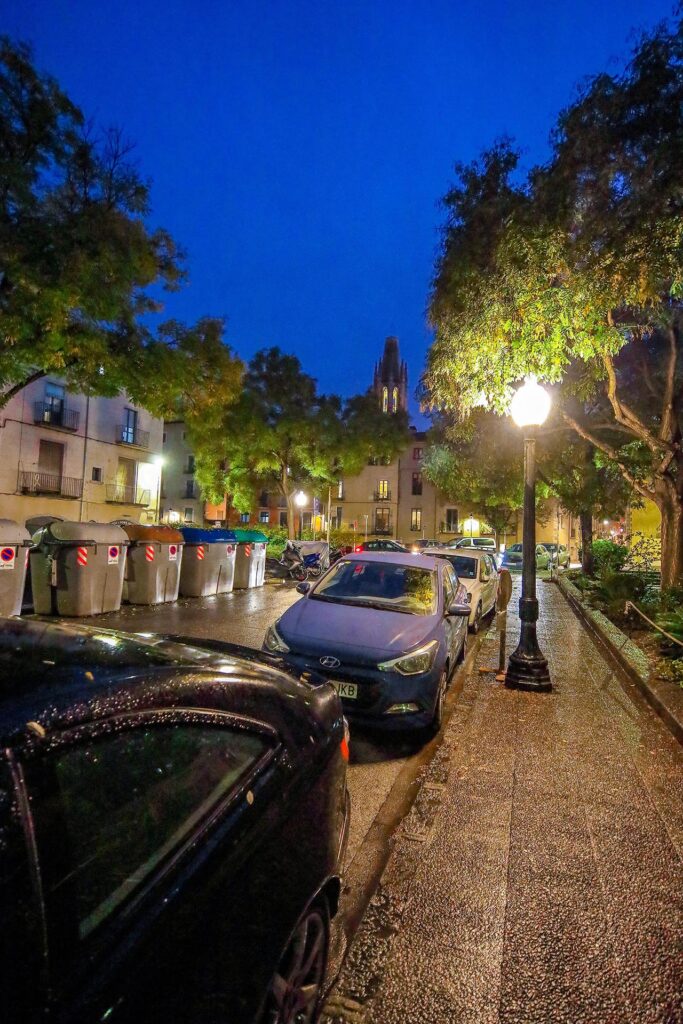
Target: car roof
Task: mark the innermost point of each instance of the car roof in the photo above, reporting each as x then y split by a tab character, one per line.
459	552
395	557
55	672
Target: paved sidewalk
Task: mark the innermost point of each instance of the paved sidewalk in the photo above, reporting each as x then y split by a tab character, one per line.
538	878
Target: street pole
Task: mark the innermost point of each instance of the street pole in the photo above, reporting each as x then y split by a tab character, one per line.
527	668
365	517
329	513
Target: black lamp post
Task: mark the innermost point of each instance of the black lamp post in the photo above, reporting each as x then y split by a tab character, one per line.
527	668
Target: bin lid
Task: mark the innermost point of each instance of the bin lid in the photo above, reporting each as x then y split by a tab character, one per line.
12	533
145	534
35	522
64	531
250	537
197	535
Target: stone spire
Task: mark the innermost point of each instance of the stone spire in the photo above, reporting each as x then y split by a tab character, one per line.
390	381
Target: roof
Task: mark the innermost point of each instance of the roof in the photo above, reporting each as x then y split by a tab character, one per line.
454	552
395	557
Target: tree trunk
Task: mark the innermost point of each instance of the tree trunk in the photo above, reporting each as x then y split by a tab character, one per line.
16	388
671	508
586	521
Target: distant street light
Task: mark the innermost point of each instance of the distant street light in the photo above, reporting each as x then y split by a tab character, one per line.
300	500
527	668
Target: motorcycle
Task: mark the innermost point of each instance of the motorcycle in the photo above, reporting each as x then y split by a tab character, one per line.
290	565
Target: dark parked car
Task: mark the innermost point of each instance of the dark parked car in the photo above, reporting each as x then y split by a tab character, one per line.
172	824
386	629
380	545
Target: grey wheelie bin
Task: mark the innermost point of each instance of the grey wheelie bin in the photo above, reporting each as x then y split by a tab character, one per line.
153	563
250	561
77	568
208	565
14	546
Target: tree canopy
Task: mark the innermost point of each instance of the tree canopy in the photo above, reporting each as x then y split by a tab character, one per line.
81	269
574	262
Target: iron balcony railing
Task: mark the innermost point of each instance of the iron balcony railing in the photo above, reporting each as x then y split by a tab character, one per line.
381	495
31	482
132	435
448	528
382	528
55	416
126	494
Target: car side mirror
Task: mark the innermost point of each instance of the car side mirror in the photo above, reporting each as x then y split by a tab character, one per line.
303	588
459	610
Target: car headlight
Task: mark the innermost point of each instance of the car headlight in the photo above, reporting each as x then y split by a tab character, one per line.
273	642
412	664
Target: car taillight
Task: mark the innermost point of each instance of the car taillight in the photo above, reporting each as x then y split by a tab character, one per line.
358	547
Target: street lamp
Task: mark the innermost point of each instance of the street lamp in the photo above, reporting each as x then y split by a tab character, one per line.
527	668
300	500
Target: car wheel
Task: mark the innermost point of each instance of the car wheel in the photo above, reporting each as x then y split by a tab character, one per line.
437	717
297	986
476	625
463	650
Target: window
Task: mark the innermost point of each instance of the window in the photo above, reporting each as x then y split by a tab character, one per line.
189	514
130	423
394	400
244	517
382	520
451	520
339	516
264	516
50	462
417	483
283	519
382	490
190	464
97	474
189	488
448	588
127	801
163	437
416	519
385	399
417	454
340	489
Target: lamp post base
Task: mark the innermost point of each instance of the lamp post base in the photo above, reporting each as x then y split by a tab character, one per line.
528	672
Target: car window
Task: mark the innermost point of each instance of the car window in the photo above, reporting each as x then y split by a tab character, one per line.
464	566
382	585
449	586
124	802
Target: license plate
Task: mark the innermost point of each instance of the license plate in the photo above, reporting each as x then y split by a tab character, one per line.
348	690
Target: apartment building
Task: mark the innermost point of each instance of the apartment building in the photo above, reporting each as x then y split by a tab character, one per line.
78	457
181	500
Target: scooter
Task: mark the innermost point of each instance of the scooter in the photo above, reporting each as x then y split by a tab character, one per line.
290	565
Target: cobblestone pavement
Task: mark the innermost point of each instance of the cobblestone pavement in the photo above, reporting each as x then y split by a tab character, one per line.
545	884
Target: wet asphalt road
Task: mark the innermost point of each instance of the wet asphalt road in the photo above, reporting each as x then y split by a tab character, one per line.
242	617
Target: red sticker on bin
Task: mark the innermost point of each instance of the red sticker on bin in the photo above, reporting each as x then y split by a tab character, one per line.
230	549
200	552
247	549
7	556
82	556
113	555
149	552
172	552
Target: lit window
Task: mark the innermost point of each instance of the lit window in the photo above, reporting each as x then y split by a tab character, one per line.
383	490
264	516
189	515
417	454
394	400
244	517
340	489
385	399
416	519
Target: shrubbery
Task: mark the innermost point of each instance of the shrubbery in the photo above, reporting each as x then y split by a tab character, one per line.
608	556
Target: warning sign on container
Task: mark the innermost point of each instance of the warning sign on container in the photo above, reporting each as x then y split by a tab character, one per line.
7	558
172	553
113	555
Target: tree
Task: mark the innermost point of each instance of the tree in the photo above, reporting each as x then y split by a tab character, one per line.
282	435
577	261
79	261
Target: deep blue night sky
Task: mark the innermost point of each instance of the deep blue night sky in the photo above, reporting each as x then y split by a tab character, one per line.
298	150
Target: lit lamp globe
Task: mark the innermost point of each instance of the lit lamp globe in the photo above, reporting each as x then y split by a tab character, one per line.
530	405
300	499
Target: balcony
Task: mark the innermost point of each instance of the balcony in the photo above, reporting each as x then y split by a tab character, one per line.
50	483
448	528
55	416
132	436
126	494
382	528
381	495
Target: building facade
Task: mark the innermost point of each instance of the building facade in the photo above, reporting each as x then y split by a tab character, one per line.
78	457
181	501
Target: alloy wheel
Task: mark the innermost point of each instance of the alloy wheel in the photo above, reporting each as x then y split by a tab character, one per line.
296	988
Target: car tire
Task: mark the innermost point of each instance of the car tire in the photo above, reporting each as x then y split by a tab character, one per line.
440	703
476	625
298	985
462	653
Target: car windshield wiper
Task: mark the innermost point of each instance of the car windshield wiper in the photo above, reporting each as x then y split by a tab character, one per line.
382	606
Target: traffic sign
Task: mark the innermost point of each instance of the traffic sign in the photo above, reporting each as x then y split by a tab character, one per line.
7	558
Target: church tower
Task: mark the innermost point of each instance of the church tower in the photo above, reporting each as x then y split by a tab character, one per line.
390	382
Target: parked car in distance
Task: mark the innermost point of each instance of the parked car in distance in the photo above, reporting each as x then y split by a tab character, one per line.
380	545
488	543
173	822
512	557
420	546
477	571
386	629
559	555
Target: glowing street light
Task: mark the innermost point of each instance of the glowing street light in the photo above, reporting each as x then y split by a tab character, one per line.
300	500
527	668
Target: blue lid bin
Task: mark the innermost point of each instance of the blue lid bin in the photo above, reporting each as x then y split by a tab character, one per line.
250	561
14	547
208	565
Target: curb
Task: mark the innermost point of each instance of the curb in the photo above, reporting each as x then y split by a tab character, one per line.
663	696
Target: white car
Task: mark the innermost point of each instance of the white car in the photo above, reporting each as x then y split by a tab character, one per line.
476	570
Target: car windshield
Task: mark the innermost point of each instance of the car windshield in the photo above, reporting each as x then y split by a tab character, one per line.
549	547
515	547
396	588
466	568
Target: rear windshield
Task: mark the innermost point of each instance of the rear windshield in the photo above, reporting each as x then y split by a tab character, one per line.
515	547
466	568
396	588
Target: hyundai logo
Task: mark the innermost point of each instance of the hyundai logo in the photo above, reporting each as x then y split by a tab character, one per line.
329	662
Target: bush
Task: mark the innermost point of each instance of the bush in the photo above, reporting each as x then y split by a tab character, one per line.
611	592
644	554
608	557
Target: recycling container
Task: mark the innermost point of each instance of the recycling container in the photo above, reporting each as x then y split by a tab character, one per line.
153	563
250	559
77	568
14	547
208	565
